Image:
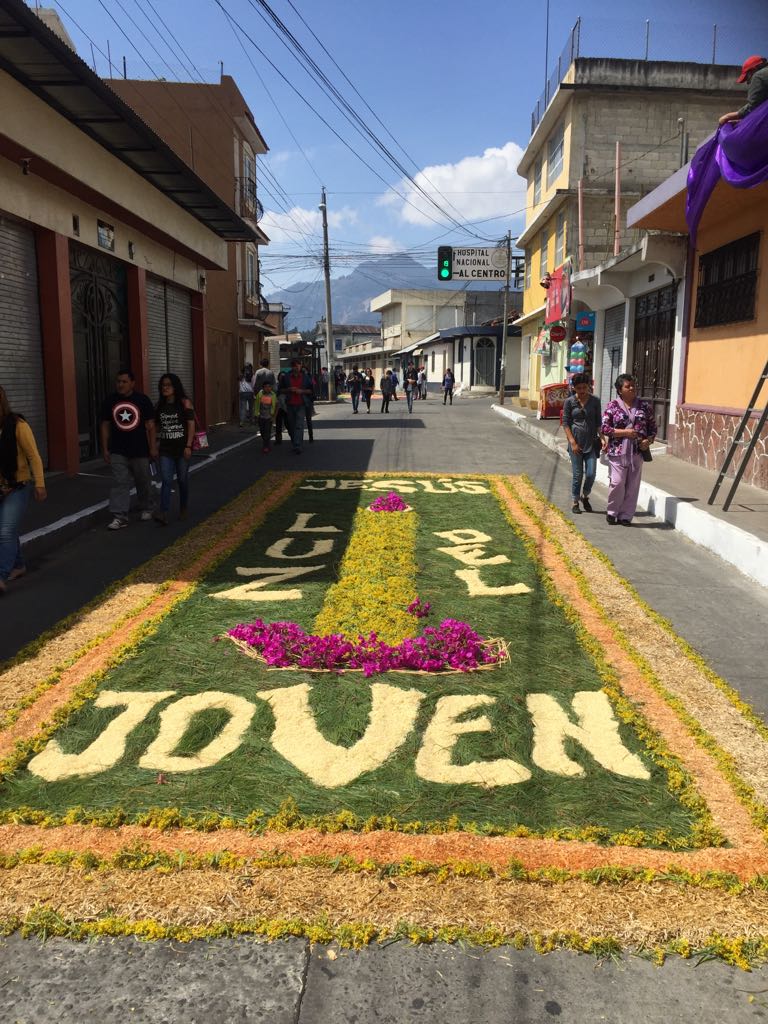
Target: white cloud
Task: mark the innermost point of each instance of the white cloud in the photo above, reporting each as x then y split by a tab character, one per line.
299	222
474	188
384	244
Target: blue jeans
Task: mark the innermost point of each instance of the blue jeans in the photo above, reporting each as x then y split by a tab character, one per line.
12	509
355	400
583	466
409	397
296	415
168	467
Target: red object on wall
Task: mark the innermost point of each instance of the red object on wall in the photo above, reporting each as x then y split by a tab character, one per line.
552	400
557	332
559	295
58	350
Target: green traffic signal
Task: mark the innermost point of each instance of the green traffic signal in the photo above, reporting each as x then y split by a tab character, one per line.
445	262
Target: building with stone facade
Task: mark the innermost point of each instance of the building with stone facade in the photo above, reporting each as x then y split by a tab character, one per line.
723	319
107	239
656	110
211	128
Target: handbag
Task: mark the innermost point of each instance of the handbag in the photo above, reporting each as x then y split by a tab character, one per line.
646	454
200	440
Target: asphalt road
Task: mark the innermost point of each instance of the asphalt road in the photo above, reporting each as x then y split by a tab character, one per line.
720	613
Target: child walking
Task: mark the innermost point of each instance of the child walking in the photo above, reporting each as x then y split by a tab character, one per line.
265	410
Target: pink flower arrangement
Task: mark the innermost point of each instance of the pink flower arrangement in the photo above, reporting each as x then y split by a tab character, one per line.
391	502
419	609
451	646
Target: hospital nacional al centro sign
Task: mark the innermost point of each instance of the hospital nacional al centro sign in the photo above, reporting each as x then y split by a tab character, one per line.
474	264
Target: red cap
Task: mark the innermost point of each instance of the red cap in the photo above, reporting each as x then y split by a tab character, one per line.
750	64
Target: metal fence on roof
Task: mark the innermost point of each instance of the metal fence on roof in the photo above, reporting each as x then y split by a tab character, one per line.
643	39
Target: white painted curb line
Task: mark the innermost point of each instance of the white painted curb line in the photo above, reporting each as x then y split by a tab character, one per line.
83	512
744	551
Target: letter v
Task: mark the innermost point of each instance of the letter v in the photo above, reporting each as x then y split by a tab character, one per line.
297	738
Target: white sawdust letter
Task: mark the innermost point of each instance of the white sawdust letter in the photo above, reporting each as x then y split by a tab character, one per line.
433	761
297	738
52	764
254	591
175	720
597	732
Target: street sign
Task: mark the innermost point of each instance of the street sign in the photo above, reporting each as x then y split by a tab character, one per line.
477	264
557	332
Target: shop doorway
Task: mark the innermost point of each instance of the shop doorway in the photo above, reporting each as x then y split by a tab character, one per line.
100	327
653	343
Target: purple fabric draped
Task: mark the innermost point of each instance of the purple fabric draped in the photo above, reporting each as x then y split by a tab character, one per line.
737	152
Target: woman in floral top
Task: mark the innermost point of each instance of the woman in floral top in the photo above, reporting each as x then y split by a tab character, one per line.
629	430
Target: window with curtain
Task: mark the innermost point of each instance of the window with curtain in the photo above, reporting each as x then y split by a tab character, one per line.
537	183
543	253
555	151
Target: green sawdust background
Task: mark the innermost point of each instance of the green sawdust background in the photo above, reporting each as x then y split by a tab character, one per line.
546	657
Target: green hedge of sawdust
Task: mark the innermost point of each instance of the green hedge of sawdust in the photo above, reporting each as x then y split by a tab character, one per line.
547	656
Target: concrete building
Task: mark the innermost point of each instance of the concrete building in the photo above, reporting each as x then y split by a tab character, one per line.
656	110
408	316
212	129
352	340
722	347
106	240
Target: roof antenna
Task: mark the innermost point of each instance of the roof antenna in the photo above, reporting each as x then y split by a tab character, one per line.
221	69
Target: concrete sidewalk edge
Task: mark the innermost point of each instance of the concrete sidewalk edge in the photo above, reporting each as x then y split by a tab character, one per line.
744	551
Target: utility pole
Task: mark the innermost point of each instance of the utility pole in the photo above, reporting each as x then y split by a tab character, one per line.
328	313
503	364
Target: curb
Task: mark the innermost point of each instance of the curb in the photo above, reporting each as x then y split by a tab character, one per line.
742	550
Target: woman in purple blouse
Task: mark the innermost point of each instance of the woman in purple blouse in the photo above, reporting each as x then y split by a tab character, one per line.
629	429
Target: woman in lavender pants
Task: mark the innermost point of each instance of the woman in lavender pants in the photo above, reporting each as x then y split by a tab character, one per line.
629	430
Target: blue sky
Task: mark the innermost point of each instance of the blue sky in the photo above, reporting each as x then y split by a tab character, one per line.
453	82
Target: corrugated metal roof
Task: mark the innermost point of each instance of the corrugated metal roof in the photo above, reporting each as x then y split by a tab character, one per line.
32	54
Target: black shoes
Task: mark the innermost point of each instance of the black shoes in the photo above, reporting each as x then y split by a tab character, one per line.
575	508
624	522
586	504
611	520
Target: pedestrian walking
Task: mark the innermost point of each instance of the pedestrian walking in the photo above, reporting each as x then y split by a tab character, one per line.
368	386
262	376
411	384
21	473
581	421
245	387
324	383
385	385
175	419
395	384
265	412
448	384
422	383
355	385
127	430
629	430
297	387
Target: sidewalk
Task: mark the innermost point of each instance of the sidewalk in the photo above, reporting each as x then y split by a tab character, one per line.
677	492
74	503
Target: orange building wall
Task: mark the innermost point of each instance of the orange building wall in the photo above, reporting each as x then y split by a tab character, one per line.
725	362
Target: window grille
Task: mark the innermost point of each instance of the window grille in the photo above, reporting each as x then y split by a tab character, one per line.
555	151
727	283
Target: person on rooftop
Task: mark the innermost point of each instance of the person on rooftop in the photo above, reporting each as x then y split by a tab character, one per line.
754	71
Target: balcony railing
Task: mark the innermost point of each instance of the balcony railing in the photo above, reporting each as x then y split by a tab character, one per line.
251	305
248	203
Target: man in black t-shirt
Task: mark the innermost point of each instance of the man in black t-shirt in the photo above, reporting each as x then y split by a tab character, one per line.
127	442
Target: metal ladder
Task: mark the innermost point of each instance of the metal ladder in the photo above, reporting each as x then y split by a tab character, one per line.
737	441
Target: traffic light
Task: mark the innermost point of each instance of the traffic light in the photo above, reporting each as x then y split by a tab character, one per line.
444	262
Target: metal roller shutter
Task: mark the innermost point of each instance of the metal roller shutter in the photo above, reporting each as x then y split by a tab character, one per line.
178	309
169	323
21	353
613	344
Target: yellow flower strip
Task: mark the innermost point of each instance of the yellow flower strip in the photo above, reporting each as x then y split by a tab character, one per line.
377	580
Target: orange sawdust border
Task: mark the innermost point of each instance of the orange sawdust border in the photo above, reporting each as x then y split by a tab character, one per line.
747	857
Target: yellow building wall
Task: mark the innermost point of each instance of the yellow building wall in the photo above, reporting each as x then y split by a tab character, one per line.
725	362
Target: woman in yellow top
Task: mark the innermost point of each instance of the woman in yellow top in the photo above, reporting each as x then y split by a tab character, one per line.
21	468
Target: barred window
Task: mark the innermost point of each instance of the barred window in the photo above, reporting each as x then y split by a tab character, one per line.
527	268
560	239
728	283
543	253
555	151
537	183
